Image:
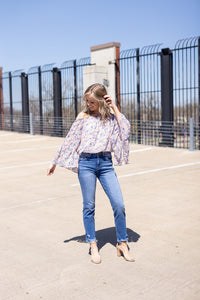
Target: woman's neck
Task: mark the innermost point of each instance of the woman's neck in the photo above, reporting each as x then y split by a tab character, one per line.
94	114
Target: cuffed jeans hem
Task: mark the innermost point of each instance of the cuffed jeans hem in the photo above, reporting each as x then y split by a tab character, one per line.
89	241
122	240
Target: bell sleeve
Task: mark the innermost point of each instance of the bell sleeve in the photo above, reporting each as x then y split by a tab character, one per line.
67	155
120	140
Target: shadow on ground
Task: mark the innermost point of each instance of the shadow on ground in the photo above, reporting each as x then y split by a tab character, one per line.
107	235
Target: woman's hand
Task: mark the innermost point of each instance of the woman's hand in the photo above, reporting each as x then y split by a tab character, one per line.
110	101
51	169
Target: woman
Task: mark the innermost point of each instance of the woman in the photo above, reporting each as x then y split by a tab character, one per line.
87	150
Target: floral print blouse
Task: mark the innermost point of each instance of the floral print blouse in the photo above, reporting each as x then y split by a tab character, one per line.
93	135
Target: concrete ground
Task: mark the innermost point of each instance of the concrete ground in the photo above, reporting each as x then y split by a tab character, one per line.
42	251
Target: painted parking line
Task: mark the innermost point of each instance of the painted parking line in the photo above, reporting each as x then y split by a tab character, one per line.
153	170
27	204
141	150
28	149
160	169
26	165
24	141
6	134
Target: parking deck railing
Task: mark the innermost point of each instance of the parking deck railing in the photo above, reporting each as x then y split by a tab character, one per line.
156	133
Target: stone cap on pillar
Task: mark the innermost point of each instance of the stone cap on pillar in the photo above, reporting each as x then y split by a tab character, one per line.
104	46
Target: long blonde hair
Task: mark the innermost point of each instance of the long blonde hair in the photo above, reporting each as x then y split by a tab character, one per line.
97	91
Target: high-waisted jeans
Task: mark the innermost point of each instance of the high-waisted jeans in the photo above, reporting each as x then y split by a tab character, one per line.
91	167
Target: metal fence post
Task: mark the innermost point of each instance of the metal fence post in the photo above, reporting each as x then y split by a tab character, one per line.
1	101
11	101
75	90
117	79
25	102
31	124
199	84
40	99
167	98
191	134
138	96
57	97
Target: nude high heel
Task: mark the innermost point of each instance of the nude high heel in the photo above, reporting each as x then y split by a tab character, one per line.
122	250
95	257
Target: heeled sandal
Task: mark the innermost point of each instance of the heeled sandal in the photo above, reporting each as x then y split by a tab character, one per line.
124	252
95	257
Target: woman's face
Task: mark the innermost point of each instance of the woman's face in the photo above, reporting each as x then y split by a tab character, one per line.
92	104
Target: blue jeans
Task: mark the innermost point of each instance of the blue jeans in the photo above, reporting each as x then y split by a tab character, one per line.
91	167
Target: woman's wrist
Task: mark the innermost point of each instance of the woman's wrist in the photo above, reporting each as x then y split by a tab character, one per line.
116	111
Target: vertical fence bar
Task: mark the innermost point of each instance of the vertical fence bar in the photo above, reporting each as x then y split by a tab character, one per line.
40	99
11	100
138	96
117	78
191	134
25	102
57	97
75	91
199	87
167	97
1	101
31	124
116	83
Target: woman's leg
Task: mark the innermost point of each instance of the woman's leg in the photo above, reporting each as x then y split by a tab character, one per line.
87	179
111	186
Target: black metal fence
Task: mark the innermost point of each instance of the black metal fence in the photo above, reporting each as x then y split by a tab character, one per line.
157	87
161	85
49	93
186	79
140	91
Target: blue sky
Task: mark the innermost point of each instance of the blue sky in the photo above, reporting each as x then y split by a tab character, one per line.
39	32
